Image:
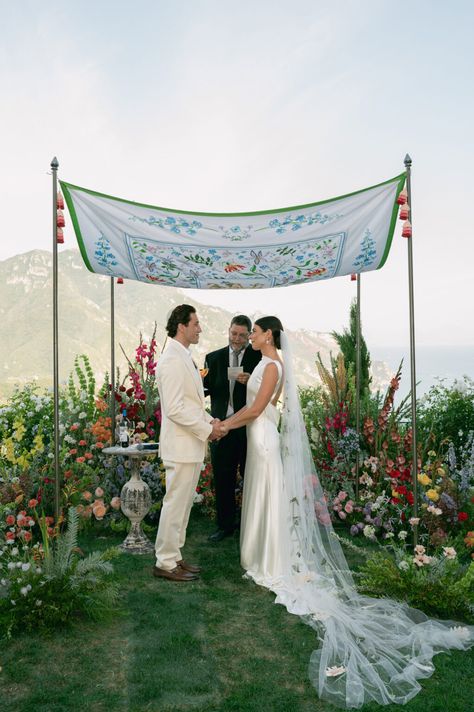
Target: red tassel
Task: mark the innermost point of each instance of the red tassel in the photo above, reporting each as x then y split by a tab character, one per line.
119	280
60	201
60	222
404	212
353	278
406	231
403	197
59	236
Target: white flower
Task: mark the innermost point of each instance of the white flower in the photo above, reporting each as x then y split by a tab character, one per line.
18	564
3	582
420	549
15	551
38	602
198	498
13	603
11	565
413	521
24	591
82	415
369	531
335	670
449	552
389	535
404	565
402	535
434	510
25	567
461	631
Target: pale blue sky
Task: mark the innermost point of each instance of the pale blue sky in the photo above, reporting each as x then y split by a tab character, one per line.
222	106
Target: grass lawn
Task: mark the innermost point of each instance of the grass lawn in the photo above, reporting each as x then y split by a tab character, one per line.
217	645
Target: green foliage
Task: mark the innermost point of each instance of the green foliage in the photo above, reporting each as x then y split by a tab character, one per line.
81	387
47	587
442	587
446	414
347	342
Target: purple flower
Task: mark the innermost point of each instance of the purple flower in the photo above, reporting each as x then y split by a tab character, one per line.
377	522
354	530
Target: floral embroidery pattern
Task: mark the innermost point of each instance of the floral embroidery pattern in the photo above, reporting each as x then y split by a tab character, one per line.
236	233
103	253
293	223
368	253
235	267
175	225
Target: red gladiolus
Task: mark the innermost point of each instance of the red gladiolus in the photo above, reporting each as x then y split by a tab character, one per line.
410	498
10	536
82	442
73	451
26	535
67	474
462	516
10	520
80	459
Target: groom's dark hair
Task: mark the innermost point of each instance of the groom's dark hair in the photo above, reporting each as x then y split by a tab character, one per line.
180	315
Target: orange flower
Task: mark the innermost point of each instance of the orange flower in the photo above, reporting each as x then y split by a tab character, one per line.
99	509
82	442
101	405
232	268
88	455
80	459
73	451
315	272
87	496
32	503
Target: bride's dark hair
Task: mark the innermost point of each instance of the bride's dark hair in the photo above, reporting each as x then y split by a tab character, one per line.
273	323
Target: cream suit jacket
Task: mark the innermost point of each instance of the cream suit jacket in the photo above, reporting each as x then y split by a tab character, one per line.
185	425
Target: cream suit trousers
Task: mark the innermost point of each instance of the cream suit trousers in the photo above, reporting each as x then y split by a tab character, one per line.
181	482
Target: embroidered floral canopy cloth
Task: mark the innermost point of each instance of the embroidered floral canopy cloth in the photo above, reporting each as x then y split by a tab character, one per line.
271	248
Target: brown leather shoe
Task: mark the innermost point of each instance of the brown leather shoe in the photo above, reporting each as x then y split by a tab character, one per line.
176	574
192	568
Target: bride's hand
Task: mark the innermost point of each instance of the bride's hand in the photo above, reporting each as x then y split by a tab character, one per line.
224	429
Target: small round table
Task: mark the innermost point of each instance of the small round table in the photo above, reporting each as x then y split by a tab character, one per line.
135	499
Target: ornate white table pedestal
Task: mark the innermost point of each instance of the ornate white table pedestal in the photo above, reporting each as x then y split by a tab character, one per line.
135	499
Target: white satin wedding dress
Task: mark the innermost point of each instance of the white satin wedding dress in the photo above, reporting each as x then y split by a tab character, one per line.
369	649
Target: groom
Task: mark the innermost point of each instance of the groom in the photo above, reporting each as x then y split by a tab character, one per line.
185	429
227	397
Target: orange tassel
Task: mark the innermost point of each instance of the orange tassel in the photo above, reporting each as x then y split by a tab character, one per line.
119	280
60	201
403	197
404	212
406	231
59	236
60	222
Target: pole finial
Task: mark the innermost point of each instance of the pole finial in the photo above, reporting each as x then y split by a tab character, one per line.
55	164
407	161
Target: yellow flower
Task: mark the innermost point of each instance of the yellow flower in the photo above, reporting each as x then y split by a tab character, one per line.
431	453
19	432
432	494
38	445
424	479
440	471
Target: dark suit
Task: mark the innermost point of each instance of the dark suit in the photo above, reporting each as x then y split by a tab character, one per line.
229	453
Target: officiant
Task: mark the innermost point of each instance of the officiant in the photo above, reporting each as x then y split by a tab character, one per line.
229	369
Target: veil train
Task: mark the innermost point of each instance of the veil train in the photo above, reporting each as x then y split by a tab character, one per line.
370	649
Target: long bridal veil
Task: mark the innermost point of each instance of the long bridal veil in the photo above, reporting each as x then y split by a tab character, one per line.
369	649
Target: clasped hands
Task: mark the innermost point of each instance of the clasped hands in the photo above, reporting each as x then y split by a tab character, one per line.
219	429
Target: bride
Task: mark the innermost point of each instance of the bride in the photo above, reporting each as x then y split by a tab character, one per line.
369	649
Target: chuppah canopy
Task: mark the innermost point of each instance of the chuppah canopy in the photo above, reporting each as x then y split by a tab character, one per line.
265	249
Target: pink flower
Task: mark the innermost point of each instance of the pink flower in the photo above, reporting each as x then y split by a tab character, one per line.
115	502
342	515
99	492
342	496
349	507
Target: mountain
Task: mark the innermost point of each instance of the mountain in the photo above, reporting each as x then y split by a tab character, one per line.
84	322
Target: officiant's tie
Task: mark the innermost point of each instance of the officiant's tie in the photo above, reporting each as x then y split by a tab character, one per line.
235	362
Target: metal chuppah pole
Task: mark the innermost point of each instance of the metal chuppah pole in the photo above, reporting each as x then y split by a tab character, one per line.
358	367
408	163
57	477
112	360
